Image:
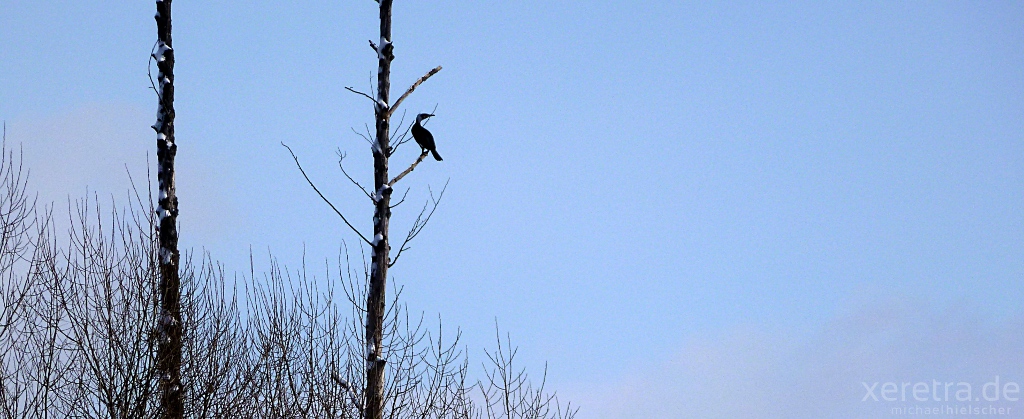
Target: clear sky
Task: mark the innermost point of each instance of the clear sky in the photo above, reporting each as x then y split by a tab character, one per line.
704	209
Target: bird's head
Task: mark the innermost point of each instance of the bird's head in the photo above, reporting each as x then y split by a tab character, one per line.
423	116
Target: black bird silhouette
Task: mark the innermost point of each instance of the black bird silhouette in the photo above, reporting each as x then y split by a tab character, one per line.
423	137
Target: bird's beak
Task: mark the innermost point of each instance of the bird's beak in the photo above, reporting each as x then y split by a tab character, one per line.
428	116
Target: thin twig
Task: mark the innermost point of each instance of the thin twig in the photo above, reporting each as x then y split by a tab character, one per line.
402	139
148	70
361	93
341	159
373	88
399	129
411	88
323	197
361	135
368	133
400	201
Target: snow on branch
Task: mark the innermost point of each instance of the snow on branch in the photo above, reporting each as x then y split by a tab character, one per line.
385	50
380	193
161	49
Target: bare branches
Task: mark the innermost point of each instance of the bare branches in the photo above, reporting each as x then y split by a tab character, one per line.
398	140
421	221
413	87
323	197
278	346
510	394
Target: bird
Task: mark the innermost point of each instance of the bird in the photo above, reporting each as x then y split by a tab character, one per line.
423	137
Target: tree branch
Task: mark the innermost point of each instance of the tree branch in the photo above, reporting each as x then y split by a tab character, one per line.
341	159
323	197
423	155
400	201
363	136
368	133
413	87
399	129
421	222
361	93
398	140
149	69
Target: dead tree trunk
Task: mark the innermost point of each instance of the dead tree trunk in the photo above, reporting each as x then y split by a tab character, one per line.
375	300
168	362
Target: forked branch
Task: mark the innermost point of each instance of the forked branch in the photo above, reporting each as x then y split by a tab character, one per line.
421	221
323	197
341	165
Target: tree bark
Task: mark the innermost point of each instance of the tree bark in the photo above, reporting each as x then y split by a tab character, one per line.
169	347
374	392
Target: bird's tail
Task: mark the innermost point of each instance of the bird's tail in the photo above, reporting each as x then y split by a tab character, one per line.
436	156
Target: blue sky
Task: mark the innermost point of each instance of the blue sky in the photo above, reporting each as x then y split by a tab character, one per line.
672	196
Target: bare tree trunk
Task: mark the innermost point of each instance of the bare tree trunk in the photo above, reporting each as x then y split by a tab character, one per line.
168	363
375	300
